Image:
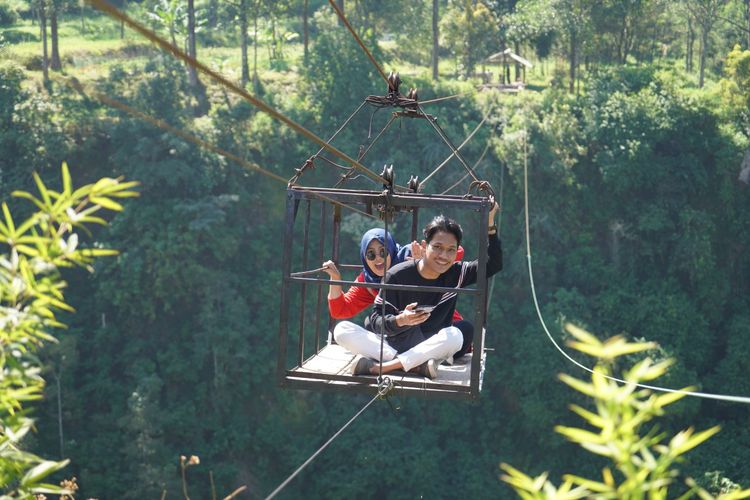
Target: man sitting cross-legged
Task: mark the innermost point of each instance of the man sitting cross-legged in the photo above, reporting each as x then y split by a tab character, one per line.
417	325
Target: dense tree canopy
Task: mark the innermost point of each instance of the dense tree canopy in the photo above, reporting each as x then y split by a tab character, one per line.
638	223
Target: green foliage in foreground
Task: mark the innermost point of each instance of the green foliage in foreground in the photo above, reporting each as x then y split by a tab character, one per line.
643	464
31	292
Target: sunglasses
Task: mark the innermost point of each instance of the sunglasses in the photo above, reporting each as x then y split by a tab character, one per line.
371	255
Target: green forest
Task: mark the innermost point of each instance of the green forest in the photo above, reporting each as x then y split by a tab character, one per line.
632	118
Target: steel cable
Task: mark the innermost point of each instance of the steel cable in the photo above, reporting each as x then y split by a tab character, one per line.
320	450
165	45
105	99
721	397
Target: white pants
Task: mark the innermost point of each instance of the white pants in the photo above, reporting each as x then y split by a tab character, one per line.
443	345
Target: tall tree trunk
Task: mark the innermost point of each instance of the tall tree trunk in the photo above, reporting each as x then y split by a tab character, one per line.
747	22
43	28
192	51
55	64
199	90
517	50
469	7
573	62
243	43
83	18
621	41
255	48
213	13
122	23
306	30
436	38
274	51
689	48
703	51
655	49
59	414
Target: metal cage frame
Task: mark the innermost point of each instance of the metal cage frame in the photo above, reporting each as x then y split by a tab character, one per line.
381	203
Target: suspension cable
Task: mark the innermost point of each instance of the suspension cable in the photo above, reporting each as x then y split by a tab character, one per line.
168	47
314	455
476	166
447	141
450	157
356	37
382	131
105	99
309	161
440	99
721	397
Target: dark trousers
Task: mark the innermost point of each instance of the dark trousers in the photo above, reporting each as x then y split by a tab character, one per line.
467	329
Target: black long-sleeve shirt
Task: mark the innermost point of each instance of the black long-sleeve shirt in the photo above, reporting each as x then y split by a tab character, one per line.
459	275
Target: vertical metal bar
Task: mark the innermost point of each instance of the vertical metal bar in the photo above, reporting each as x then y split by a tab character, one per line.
480	300
336	240
336	233
414	223
321	256
383	290
286	268
305	248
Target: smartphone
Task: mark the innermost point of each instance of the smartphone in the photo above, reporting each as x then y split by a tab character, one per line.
424	308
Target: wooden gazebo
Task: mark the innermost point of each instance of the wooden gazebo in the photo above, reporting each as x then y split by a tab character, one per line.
506	58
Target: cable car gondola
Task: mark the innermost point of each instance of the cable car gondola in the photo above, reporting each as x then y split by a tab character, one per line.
308	357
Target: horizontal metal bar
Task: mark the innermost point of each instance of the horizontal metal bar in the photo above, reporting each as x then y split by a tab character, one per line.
367	384
381	286
397	200
315	385
363	379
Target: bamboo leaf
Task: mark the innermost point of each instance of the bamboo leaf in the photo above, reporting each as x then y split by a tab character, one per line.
25	249
99	252
106	203
81	192
665	399
599	449
42	191
590	417
539	481
57	303
579	435
657	370
124	194
588	483
9	221
42	470
103	184
595	351
582	335
689	442
67	182
578	385
30	197
93	220
735	495
50	489
617	346
27	224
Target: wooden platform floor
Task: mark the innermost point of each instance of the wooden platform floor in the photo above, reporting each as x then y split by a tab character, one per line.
335	360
